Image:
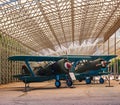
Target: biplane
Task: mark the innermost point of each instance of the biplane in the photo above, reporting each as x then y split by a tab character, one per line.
95	65
59	68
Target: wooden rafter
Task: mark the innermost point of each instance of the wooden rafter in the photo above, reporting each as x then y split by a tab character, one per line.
72	19
46	24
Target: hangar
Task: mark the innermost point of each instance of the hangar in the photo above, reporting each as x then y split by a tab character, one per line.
43	27
57	27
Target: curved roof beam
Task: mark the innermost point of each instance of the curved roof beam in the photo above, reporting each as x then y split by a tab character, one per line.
72	19
48	22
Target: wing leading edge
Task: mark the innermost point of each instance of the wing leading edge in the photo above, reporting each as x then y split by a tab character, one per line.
34	58
88	57
72	58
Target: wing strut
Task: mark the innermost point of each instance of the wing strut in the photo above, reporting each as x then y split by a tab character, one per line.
30	69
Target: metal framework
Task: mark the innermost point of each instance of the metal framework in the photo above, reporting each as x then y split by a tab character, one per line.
43	24
9	47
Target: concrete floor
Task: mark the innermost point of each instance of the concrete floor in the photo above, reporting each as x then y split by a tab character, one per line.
45	93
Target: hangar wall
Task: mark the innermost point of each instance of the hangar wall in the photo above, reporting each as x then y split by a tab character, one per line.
8	47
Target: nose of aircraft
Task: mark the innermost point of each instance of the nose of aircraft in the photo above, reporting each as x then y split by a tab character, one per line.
68	65
104	63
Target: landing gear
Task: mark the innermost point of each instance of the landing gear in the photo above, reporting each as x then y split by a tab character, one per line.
26	87
101	80
69	82
88	80
57	83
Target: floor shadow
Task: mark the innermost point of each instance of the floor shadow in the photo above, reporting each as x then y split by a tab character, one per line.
34	88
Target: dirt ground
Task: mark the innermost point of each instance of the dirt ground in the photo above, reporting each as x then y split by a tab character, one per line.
46	93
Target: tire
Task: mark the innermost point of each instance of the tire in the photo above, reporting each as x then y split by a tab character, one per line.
101	80
57	84
88	81
69	83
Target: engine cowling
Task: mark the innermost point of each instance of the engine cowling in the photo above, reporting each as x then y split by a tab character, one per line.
60	67
103	64
91	65
64	66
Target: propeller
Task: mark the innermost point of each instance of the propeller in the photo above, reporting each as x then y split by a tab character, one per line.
67	66
103	63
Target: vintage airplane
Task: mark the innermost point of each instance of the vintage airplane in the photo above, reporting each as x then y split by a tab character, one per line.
84	67
89	69
92	66
57	69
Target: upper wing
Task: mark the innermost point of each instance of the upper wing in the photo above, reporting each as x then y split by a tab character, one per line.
72	58
75	58
105	57
35	58
88	57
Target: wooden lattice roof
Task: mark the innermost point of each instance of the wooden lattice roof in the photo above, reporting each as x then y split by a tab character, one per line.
42	24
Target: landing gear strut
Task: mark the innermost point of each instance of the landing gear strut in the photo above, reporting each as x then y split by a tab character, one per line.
69	81
57	82
26	86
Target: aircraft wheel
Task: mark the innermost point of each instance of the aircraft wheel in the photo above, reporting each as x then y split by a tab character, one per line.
69	83
88	81
101	80
57	83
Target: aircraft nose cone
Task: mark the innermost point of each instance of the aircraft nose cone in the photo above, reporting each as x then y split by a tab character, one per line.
68	65
103	63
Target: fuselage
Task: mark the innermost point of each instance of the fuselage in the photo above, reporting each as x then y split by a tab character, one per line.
84	66
52	68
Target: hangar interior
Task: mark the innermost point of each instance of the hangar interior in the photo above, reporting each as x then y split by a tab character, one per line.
57	27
